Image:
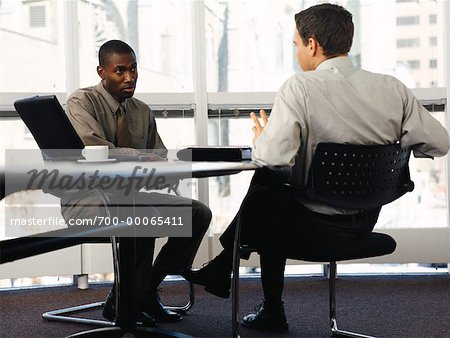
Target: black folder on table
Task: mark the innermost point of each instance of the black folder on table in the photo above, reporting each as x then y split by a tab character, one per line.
215	153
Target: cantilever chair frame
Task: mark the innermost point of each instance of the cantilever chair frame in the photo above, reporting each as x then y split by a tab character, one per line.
35	112
346	176
65	314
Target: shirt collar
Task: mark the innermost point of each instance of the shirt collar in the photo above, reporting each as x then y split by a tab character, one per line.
111	101
336	62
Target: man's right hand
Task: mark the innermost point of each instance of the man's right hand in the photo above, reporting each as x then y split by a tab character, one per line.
258	128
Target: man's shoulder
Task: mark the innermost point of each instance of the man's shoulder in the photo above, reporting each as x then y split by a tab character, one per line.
137	101
83	92
379	76
138	104
352	74
295	80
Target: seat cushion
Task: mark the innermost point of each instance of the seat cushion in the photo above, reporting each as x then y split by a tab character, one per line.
376	244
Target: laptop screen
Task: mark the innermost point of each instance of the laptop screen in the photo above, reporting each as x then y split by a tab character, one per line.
49	125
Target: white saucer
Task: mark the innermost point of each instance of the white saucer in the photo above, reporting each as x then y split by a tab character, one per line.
97	161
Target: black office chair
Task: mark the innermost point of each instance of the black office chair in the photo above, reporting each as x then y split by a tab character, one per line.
63	143
344	176
68	314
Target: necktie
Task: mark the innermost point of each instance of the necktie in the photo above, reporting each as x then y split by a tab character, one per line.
123	136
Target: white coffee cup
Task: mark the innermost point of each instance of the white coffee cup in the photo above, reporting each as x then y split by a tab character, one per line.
95	153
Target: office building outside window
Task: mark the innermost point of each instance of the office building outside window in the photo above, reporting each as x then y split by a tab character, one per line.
408	20
433	41
433	18
414	64
408	43
37	16
29	29
158	31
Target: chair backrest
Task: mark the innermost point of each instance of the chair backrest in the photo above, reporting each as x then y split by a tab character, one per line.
49	125
359	176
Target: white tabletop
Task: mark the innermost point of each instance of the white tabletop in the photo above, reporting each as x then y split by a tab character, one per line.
26	172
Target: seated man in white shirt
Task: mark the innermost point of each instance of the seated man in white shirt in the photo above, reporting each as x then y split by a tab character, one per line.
331	101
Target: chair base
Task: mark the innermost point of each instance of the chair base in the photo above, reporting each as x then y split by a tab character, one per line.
136	332
183	309
332	275
62	315
335	332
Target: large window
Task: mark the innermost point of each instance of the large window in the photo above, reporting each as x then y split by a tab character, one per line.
203	65
266	30
267	61
158	31
29	29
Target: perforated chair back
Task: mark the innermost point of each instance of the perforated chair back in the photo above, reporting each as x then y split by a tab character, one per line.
359	176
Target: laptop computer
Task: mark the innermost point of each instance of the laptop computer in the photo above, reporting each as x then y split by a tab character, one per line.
50	127
53	131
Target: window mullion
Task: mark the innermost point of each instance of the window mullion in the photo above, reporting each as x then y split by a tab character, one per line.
71	30
199	78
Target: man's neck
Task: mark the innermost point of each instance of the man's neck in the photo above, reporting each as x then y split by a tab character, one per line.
118	99
323	58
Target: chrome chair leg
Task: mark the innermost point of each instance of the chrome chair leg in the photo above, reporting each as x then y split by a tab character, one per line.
235	283
332	298
182	309
62	315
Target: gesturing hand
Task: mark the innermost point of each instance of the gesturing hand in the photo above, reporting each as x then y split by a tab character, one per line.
258	128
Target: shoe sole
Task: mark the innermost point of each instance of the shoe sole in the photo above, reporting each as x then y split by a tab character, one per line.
168	320
218	293
139	321
282	329
212	290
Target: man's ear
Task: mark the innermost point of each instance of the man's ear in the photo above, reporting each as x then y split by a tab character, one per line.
313	46
101	72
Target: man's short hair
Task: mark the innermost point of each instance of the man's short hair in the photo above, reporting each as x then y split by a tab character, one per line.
113	47
331	25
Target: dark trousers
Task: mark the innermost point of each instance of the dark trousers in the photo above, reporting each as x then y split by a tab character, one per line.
175	256
275	223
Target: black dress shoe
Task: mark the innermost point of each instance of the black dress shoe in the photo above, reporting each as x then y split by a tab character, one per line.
144	319
153	307
266	319
215	276
109	312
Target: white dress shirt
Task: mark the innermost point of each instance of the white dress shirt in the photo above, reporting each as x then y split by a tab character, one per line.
340	103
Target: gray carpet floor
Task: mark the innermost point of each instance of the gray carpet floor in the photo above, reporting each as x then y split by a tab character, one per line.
383	306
